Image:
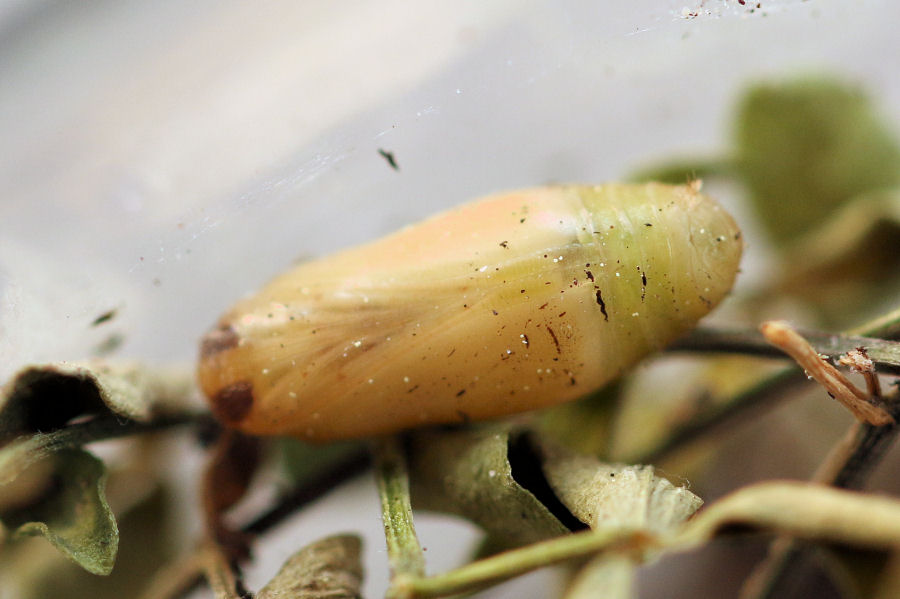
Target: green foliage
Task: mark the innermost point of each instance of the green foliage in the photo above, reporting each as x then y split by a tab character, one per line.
807	146
72	514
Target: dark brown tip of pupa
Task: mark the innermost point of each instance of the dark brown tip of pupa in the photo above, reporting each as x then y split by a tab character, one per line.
218	340
233	402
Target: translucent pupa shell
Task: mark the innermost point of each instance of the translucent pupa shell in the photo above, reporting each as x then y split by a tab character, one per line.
518	301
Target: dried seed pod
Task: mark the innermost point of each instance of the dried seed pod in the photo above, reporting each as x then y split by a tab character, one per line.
519	301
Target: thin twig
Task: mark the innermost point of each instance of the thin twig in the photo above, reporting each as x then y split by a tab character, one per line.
783	336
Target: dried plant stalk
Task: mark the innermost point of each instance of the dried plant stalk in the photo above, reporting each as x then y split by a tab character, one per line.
783	336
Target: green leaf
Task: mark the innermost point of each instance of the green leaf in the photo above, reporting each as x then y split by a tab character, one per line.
851	255
327	569
303	461
806	146
72	513
683	170
149	536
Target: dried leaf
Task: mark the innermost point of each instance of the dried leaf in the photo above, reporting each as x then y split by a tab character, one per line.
73	514
806	146
327	569
468	473
44	398
616	495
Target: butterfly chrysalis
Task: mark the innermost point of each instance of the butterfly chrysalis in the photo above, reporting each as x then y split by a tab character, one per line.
518	301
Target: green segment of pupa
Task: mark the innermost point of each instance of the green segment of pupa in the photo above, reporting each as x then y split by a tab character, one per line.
518	301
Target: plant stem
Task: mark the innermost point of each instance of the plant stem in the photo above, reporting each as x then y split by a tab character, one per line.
404	552
516	562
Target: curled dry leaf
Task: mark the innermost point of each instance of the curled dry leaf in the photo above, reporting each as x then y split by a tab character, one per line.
613	496
468	473
616	495
327	569
46	397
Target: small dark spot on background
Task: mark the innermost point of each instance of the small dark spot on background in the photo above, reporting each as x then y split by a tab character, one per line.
109	345
504	244
389	156
105	317
648	224
460	392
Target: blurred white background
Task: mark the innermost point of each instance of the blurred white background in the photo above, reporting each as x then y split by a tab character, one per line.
164	158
